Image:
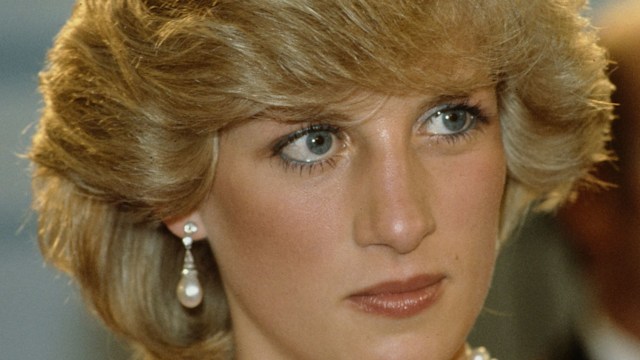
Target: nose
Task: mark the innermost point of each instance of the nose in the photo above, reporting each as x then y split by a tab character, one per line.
393	191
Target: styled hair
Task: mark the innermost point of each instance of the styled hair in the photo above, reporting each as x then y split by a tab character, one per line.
136	92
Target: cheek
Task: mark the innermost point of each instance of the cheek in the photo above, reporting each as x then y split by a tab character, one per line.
266	236
479	194
470	189
470	200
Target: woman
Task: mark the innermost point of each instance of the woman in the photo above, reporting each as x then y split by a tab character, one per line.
318	179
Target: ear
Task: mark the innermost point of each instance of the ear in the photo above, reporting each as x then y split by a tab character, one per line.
176	225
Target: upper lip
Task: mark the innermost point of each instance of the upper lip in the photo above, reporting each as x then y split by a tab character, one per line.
409	284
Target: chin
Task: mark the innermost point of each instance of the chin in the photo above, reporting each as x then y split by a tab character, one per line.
413	347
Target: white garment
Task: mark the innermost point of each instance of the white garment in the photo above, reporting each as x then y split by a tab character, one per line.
605	341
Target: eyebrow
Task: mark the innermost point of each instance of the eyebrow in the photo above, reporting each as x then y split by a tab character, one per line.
311	115
423	106
328	114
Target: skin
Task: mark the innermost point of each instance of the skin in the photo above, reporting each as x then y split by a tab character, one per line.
393	200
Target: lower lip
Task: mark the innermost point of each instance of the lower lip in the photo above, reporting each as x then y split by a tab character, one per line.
399	304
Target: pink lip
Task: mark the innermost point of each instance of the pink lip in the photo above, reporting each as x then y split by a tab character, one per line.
400	299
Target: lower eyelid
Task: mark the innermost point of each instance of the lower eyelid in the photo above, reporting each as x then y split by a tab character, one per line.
310	167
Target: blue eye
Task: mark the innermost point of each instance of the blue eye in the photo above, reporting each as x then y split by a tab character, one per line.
310	145
451	120
319	143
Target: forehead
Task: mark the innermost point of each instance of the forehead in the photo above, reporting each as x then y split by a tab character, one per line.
366	106
356	103
461	82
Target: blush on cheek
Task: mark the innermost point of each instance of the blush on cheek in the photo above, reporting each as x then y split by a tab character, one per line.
476	192
275	231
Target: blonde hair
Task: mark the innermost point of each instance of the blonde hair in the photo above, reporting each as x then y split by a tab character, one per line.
136	92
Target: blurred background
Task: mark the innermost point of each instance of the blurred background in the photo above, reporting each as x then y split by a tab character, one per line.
536	292
41	313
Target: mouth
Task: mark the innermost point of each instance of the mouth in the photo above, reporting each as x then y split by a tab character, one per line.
400	299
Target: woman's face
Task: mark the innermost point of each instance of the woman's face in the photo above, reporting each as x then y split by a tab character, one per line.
368	232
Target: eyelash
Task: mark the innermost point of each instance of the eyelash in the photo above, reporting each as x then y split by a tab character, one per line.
478	116
307	129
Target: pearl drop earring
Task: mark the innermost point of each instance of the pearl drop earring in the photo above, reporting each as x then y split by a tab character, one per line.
189	290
